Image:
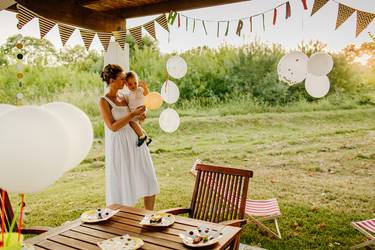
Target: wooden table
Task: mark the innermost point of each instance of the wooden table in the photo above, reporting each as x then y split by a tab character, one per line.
78	235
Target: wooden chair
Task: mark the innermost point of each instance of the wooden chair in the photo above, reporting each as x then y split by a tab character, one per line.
9	215
367	228
219	195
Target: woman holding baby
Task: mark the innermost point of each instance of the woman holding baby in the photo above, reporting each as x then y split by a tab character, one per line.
130	173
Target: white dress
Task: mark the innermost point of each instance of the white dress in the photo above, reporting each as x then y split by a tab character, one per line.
129	171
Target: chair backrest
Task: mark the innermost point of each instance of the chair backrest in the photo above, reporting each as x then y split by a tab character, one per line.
220	193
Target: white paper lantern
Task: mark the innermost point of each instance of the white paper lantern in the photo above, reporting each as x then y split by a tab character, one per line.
170	92
169	120
176	67
20	67
79	128
292	67
34	149
317	86
4	108
320	64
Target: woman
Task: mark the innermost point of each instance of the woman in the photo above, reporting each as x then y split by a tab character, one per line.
130	173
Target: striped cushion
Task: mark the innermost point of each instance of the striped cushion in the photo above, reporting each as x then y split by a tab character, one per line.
262	207
368	225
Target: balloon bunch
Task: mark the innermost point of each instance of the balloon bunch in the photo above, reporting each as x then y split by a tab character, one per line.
39	144
169	119
296	67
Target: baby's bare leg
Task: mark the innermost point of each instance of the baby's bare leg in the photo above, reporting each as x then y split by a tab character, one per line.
137	128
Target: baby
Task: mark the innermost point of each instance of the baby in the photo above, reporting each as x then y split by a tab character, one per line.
136	97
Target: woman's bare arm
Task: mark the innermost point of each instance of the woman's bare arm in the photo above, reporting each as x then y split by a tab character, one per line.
108	118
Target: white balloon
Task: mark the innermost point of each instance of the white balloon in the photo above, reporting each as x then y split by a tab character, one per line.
317	86
34	149
292	67
169	120
176	67
170	92
320	64
79	129
4	108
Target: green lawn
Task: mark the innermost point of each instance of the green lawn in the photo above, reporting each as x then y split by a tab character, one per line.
320	165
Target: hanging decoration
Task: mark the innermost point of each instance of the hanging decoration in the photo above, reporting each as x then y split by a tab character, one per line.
176	67
292	67
150	28
363	20
320	64
343	14
120	37
136	32
169	120
162	21
170	92
65	32
87	37
239	28
104	38
45	26
317	5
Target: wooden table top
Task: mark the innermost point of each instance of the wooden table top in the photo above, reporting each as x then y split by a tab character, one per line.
78	235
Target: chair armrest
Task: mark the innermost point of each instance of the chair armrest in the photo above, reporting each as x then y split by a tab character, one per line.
176	210
234	223
35	230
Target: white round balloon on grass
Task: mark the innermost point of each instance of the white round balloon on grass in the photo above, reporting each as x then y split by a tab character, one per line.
176	67
317	86
34	149
320	64
170	92
169	120
79	129
4	108
292	67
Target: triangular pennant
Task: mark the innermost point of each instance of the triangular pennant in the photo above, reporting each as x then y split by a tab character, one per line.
172	17
65	32
136	32
24	16
227	30
304	2
120	37
251	24
45	26
162	21
317	5
204	27
274	16
239	27
363	20
150	28
87	37
288	10
343	14
187	23
104	38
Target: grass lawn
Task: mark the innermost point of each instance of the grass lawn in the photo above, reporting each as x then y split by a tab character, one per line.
320	165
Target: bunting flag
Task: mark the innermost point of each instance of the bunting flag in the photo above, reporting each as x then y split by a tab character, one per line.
288	10
343	14
204	26
187	23
162	21
218	29
104	38
150	28
264	25
45	26
274	16
363	20
172	17
304	2
251	24
136	32
65	32
239	27
227	30
120	37
194	26
24	16
179	20
317	5
87	37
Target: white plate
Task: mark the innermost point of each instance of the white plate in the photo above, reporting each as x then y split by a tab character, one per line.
166	220
212	236
121	243
91	216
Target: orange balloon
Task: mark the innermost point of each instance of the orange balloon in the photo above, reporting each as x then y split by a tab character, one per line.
153	100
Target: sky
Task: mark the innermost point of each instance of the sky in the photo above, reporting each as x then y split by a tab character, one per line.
289	33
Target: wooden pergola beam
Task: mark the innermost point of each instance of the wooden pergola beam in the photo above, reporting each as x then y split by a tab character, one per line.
167	6
70	12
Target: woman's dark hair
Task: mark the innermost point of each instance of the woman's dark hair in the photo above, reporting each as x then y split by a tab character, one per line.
131	74
111	71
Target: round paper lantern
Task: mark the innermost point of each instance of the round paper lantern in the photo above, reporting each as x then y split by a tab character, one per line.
170	92
317	86
19	45
176	67
34	149
20	75
4	108
19	56
292	67
169	120
20	96
320	64
79	128
153	100
20	67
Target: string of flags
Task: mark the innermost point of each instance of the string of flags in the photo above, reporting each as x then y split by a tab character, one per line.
25	15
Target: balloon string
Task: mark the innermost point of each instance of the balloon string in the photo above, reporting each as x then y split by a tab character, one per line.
20	220
2	217
166	82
